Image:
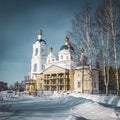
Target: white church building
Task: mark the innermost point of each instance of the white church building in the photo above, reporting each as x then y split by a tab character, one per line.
63	74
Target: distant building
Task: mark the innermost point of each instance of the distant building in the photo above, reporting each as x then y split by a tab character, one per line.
3	86
63	74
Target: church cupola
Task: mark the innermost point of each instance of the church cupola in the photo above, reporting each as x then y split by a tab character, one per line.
51	57
67	45
66	51
67	40
40	34
39	38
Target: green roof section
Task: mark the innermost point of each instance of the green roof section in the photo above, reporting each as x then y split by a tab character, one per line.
65	47
41	40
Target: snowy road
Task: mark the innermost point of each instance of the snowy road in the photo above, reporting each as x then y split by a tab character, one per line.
67	107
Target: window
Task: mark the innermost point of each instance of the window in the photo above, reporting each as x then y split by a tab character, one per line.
95	85
36	51
79	84
48	60
61	56
35	68
42	66
42	51
67	58
61	81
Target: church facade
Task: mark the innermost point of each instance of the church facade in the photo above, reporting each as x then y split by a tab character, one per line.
63	74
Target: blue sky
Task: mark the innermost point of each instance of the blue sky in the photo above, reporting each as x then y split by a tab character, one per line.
20	21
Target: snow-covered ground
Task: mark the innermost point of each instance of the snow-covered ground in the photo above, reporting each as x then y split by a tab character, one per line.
110	100
62	106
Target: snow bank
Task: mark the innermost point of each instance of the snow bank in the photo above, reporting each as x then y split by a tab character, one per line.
70	106
94	111
111	100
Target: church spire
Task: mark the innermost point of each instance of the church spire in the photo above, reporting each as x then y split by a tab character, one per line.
40	34
66	40
51	49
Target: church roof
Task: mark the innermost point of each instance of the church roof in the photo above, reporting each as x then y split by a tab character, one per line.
55	69
65	47
41	40
51	55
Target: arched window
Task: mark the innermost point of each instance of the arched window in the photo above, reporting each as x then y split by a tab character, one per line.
67	58
36	51
79	84
61	56
35	68
48	60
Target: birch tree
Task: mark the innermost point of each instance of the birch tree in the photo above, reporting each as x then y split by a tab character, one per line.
111	16
108	17
113	33
82	27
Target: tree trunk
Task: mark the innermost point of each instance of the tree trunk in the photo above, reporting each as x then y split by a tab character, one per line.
108	66
106	89
90	70
83	77
88	39
113	32
116	67
107	82
104	65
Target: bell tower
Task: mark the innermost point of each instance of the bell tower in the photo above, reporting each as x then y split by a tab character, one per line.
38	56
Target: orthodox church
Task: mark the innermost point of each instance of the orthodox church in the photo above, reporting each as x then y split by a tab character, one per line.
63	74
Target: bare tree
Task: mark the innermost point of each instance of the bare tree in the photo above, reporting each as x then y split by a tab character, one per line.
104	66
113	20
104	46
82	27
83	35
106	81
108	16
111	15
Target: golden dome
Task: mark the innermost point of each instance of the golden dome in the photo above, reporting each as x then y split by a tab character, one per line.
51	49
67	39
